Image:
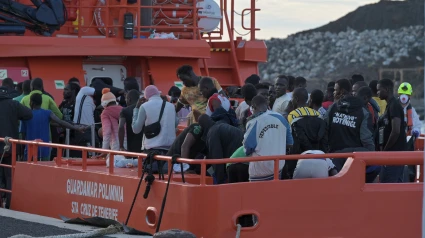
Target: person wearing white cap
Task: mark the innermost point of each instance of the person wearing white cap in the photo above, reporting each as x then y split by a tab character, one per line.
313	168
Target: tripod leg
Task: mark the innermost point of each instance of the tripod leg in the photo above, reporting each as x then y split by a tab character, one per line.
137	192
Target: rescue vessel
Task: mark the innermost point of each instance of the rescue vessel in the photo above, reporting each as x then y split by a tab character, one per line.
56	40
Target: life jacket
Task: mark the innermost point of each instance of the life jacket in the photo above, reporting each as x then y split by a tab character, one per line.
408	119
327	104
372	113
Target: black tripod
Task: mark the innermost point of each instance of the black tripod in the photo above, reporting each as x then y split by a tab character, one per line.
149	180
148	159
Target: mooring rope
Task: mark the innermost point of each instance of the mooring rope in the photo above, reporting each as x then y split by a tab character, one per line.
112	229
238	231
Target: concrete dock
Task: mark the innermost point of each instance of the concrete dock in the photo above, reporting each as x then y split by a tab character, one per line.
14	223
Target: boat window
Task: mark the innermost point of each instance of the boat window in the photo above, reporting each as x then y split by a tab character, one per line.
106	80
247	220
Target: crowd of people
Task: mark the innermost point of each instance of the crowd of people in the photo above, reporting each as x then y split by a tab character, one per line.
275	118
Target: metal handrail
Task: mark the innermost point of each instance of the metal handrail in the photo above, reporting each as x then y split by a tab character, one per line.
369	158
193	27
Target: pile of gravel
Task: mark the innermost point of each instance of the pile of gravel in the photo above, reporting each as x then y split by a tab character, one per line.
333	55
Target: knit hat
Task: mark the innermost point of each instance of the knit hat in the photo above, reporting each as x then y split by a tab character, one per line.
150	91
107	97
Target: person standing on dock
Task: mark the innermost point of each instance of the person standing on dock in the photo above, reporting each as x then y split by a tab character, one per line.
38	127
12	112
392	130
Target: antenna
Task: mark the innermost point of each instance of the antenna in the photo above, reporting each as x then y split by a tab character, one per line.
211	13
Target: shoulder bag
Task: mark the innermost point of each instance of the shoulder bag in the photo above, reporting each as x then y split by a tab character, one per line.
154	129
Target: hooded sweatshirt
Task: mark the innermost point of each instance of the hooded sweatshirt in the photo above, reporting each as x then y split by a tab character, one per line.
13	93
12	112
309	133
110	117
347	125
228	117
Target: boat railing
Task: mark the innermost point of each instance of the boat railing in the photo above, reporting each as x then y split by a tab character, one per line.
368	158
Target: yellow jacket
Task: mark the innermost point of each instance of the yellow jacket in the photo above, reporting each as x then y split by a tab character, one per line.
382	105
47	104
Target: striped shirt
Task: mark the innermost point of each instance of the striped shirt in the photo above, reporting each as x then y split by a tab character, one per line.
301	112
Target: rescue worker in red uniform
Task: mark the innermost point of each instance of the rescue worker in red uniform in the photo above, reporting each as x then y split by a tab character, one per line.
413	124
411	117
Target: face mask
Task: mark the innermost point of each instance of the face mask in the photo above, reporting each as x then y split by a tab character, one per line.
404	99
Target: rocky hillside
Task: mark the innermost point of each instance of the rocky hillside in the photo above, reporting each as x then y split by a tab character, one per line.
384	34
381	15
329	55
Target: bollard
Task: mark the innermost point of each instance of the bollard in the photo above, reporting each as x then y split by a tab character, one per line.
68	132
93	141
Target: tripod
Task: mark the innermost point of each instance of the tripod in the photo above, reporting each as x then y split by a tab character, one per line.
144	164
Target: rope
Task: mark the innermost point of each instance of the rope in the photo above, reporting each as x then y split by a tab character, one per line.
6	147
238	231
150	178
164	200
240	33
240	14
112	229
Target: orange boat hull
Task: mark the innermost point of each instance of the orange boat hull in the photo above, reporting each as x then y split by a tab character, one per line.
340	206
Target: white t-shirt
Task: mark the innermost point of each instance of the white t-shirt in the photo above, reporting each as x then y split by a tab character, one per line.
241	109
281	103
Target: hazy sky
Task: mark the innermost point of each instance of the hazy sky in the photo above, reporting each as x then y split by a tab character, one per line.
280	18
